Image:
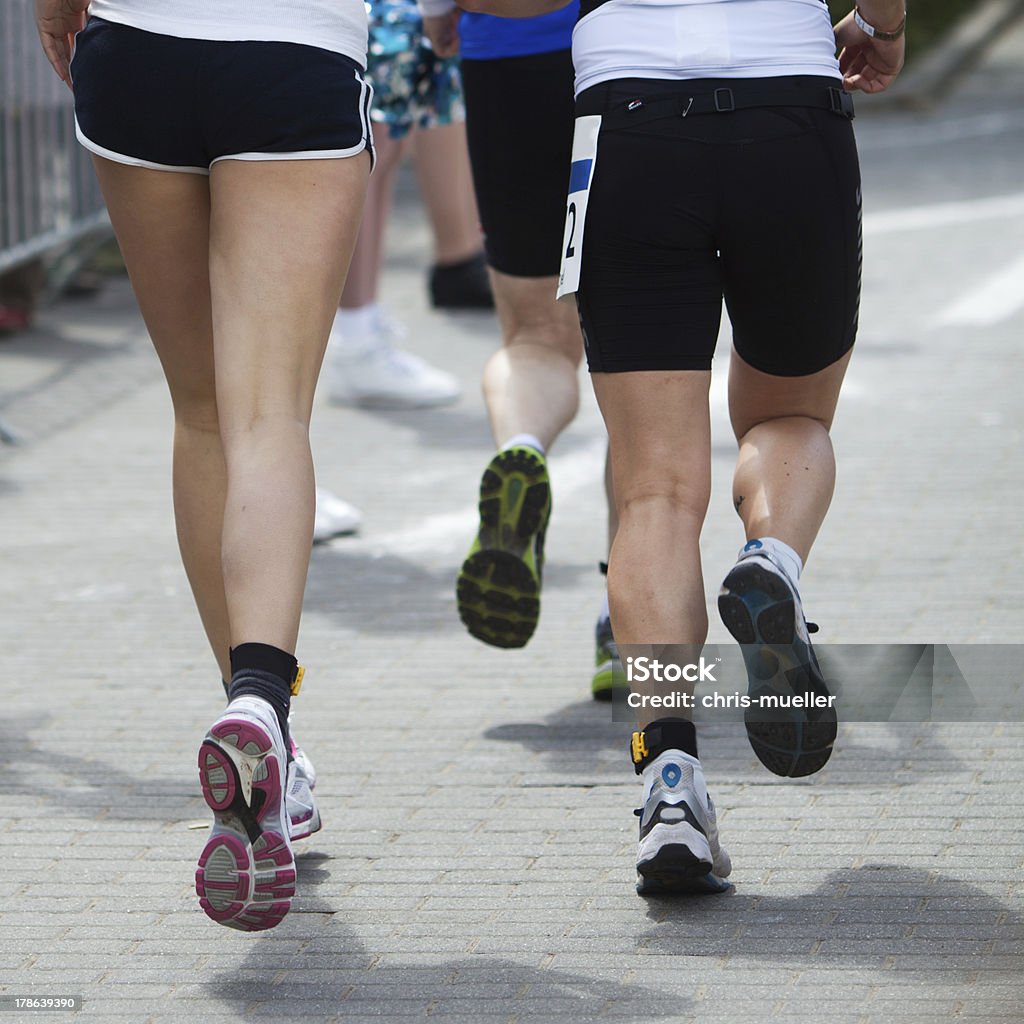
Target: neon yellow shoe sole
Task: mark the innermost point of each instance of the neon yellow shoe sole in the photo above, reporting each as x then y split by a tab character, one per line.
498	587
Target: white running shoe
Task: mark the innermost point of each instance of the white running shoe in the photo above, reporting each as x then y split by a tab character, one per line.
679	847
246	873
368	371
303	815
334	517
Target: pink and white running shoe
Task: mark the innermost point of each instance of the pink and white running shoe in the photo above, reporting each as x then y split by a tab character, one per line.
246	873
303	815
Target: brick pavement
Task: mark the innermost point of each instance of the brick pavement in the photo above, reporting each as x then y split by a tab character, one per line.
477	859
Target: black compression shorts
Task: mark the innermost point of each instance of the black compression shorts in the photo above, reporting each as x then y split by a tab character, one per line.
519	118
174	104
760	206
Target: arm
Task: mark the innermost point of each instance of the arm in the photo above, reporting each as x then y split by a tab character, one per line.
871	64
57	21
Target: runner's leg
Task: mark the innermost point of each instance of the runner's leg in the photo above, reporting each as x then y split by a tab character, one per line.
281	236
785	471
530	384
162	224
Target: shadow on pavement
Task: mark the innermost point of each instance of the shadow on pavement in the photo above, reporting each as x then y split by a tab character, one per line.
857	914
386	593
87	788
464	988
570	737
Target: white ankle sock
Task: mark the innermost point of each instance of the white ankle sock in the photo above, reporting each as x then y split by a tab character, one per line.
781	552
353	326
524	439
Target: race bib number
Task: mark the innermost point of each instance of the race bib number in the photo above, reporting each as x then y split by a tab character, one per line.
584	160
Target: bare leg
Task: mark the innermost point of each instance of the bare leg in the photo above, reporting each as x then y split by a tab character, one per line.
660	441
609	492
281	236
162	224
442	166
785	471
364	274
530	385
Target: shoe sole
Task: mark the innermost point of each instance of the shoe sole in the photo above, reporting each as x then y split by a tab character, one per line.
498	587
683	866
246	873
609	683
758	610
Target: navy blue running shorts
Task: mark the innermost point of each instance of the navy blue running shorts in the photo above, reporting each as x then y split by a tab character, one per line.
177	104
758	206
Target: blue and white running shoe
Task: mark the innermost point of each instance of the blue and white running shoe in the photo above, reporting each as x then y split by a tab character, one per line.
760	606
679	849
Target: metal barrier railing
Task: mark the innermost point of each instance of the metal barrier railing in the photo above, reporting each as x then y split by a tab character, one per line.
48	191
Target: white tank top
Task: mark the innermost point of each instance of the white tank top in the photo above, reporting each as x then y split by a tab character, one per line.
338	25
680	39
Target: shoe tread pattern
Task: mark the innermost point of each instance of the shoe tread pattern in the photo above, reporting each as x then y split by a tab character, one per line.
246	873
757	608
498	589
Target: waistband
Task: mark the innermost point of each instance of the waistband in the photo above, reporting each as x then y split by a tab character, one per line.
633	101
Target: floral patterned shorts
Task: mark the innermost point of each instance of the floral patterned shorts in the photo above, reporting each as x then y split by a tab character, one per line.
412	87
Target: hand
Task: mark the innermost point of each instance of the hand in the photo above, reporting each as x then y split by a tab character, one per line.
867	64
57	22
443	32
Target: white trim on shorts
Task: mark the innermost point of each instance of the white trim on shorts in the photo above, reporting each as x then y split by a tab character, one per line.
132	161
307	154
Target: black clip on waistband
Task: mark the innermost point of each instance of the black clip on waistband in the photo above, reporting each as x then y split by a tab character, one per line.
725	102
841	103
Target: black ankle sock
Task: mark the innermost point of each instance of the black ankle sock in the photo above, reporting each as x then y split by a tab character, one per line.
260	670
265	658
477	259
661	735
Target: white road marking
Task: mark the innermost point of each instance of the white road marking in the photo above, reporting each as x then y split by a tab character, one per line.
573	472
941	215
929	133
996	299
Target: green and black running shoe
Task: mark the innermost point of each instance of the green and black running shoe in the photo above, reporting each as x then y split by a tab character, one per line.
498	588
609	680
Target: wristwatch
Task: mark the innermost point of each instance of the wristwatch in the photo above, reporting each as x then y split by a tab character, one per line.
877	33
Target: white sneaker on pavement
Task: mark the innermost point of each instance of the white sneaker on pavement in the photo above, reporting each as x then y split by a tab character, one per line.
365	369
334	517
